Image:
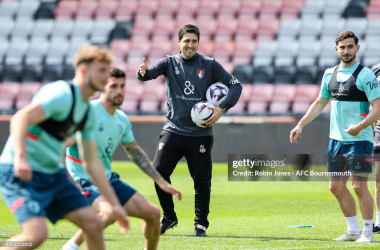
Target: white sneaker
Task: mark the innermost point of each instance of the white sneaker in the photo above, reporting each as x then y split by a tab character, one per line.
366	237
347	236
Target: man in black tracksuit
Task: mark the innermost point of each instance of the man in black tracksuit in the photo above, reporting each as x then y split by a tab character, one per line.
188	75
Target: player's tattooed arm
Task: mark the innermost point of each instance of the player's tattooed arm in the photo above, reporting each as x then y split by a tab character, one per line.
141	159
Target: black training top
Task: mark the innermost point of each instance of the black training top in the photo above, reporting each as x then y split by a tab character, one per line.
187	81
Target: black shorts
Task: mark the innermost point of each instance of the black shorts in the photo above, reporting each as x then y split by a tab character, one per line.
123	191
49	195
353	156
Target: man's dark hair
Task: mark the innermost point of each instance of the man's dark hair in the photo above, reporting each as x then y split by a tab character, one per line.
346	34
117	73
188	28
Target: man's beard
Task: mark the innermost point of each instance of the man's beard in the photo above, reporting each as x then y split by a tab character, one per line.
115	103
348	60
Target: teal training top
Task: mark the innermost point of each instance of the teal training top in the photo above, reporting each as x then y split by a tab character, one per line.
345	113
44	152
110	131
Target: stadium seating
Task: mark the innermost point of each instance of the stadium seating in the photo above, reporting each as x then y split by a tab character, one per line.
262	92
6	105
280	48
279	108
257	108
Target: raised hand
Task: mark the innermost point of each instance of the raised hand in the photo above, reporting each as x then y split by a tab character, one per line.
143	67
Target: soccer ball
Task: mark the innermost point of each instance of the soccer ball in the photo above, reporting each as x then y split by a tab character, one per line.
200	113
216	94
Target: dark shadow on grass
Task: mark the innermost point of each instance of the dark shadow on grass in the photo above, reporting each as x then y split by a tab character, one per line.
56	238
250	237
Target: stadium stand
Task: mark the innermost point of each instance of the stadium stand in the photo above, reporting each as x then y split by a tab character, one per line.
278	49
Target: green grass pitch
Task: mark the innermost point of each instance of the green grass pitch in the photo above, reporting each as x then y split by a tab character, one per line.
244	215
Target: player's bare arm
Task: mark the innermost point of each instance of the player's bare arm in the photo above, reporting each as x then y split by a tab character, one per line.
313	112
141	159
87	151
371	118
30	114
70	142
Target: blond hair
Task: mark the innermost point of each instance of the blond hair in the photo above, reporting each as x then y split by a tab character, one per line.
90	53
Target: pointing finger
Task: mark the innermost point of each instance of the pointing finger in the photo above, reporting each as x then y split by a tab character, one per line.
291	136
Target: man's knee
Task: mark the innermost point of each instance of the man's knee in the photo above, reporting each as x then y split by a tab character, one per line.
337	188
202	185
107	217
35	230
94	224
152	214
39	237
359	189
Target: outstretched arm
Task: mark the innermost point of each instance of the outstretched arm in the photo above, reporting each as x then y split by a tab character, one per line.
141	159
145	73
314	111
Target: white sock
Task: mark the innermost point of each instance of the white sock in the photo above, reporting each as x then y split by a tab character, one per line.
377	219
70	245
368	226
353	224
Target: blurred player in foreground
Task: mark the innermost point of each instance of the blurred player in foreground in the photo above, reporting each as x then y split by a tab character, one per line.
351	88
33	181
114	127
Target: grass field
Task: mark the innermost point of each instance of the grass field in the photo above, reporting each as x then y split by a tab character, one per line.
244	215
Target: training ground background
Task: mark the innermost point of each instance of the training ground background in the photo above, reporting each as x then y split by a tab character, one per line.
243	215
